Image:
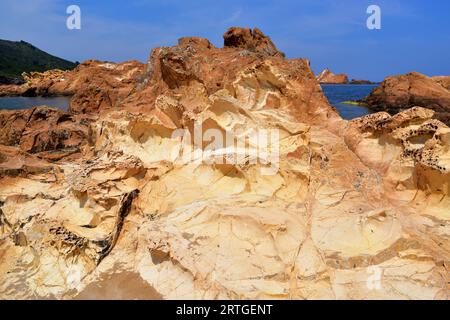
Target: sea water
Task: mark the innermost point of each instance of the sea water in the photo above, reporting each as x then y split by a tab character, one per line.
338	93
17	103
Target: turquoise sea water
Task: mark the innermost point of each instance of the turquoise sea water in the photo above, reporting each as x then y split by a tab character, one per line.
15	103
337	94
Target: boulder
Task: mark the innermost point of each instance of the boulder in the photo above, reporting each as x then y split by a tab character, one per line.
402	92
93	85
250	39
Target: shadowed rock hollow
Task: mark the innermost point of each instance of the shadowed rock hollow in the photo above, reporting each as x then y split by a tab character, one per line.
353	210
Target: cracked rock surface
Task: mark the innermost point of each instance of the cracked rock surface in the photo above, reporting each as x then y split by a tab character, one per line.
353	210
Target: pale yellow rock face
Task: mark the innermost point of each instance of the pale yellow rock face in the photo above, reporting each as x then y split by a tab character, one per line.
352	210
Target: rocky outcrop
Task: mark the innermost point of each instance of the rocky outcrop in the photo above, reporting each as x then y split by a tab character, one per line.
102	85
93	85
187	75
15	162
11	90
289	202
252	40
355	81
443	81
45	132
413	89
328	77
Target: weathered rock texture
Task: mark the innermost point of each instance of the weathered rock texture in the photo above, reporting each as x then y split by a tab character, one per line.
443	81
354	210
253	40
93	85
399	93
48	133
328	77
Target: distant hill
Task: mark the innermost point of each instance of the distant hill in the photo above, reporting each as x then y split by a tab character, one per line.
20	56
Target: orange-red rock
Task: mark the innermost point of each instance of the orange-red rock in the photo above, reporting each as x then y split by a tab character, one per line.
48	133
328	77
443	81
193	70
14	161
93	84
252	40
413	89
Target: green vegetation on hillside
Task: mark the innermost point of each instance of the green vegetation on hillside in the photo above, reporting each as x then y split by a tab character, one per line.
18	57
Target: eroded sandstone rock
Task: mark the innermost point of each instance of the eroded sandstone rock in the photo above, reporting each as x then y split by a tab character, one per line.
45	132
349	210
15	162
252	40
413	89
93	84
443	81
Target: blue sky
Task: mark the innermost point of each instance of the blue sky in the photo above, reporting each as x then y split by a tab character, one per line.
415	35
